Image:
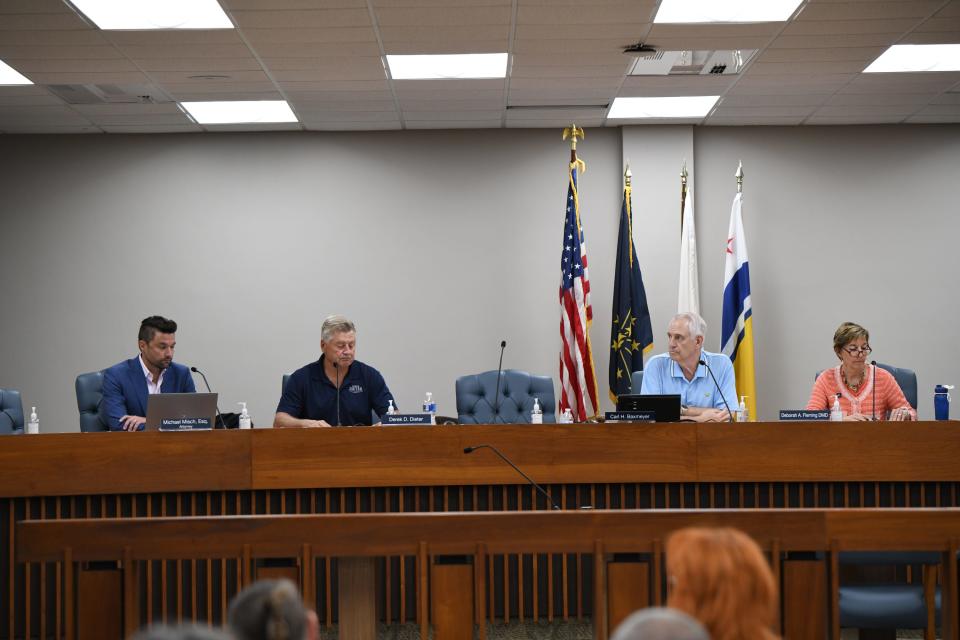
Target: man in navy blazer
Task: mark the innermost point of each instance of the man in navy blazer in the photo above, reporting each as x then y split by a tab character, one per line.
126	385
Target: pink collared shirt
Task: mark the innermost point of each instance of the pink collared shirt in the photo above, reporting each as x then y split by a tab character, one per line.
151	387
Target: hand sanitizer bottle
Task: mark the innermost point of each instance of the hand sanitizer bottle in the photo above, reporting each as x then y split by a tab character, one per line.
33	427
743	415
536	415
567	416
391	410
244	416
429	406
836	413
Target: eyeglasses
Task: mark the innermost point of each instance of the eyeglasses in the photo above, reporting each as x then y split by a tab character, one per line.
855	351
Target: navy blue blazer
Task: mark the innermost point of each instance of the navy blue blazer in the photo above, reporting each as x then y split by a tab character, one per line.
125	390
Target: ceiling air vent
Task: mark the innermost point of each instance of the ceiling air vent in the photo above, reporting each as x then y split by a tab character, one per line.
109	93
691	63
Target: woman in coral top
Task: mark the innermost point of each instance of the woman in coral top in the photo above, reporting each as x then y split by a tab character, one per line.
852	381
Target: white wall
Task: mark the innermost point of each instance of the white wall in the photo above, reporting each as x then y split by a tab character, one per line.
440	244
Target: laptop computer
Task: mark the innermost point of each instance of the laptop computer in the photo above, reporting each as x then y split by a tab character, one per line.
180	411
666	407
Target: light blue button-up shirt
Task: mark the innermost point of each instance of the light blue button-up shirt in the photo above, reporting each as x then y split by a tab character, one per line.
661	375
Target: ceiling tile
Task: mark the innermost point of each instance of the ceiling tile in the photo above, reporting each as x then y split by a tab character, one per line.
174	37
848	120
321	125
61	20
200	65
829	54
259	37
443	17
585	13
471	115
552	123
185	50
455	124
152	128
327	115
75	77
315	49
741	121
853	11
328	18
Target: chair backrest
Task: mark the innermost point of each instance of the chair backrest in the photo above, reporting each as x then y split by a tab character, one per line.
89	388
476	397
906	378
283	382
11	411
636	382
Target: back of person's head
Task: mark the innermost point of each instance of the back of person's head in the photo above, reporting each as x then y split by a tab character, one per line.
271	610
721	578
180	632
660	624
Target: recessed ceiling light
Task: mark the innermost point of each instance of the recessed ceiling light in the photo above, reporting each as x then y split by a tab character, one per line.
917	57
673	11
9	75
237	112
154	14
460	66
668	107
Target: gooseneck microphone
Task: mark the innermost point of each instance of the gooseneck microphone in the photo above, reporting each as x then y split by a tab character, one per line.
703	362
223	425
496	397
542	491
874	390
336	365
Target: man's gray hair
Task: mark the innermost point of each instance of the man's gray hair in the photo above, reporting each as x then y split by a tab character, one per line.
335	324
695	323
660	624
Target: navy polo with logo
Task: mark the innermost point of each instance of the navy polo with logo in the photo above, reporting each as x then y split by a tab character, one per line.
311	395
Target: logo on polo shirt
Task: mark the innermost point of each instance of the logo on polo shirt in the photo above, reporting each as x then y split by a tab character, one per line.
355	388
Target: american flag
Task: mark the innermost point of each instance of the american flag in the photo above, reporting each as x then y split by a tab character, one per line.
578	381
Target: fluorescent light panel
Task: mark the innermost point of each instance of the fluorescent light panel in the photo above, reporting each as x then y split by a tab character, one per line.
10	76
448	66
240	112
154	14
668	107
904	58
699	11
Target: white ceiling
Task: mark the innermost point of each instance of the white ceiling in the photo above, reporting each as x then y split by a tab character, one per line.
567	65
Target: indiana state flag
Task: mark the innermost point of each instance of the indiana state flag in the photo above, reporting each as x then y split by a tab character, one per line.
631	335
736	337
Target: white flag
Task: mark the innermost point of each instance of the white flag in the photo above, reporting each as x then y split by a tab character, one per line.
689	292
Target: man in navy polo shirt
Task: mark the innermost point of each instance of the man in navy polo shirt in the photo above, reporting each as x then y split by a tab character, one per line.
310	397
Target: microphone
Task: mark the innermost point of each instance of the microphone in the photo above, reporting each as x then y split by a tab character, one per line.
336	365
223	425
542	491
874	390
703	361
496	397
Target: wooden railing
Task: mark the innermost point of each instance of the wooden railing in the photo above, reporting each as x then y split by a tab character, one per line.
423	469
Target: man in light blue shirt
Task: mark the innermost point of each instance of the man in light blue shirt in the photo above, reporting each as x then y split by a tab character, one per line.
679	371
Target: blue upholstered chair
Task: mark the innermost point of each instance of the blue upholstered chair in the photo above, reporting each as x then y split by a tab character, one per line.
89	388
11	411
476	401
636	382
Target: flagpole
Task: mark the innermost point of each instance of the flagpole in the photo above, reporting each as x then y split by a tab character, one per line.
683	193
628	196
573	132
739	176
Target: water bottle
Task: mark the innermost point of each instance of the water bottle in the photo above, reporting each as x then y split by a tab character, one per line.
429	406
567	416
743	415
244	416
941	401
836	413
536	415
33	427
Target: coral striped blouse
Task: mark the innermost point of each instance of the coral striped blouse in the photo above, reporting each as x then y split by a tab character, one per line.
830	383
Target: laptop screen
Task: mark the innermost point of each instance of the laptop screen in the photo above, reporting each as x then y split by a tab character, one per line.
180	411
666	407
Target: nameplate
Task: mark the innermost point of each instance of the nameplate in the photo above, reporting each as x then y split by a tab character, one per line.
185	424
631	416
406	418
803	414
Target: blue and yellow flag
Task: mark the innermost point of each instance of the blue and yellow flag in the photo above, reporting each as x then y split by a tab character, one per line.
631	335
736	335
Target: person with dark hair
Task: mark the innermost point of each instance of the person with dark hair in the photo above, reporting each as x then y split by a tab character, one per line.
721	577
180	632
126	385
271	610
659	623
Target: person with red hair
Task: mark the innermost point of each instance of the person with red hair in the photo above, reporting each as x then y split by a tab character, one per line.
721	578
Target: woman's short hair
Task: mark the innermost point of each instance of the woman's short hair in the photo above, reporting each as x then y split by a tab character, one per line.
268	610
721	578
847	333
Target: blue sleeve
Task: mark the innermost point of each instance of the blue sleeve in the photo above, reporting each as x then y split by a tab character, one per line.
728	384
187	385
291	400
651	378
380	395
113	406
